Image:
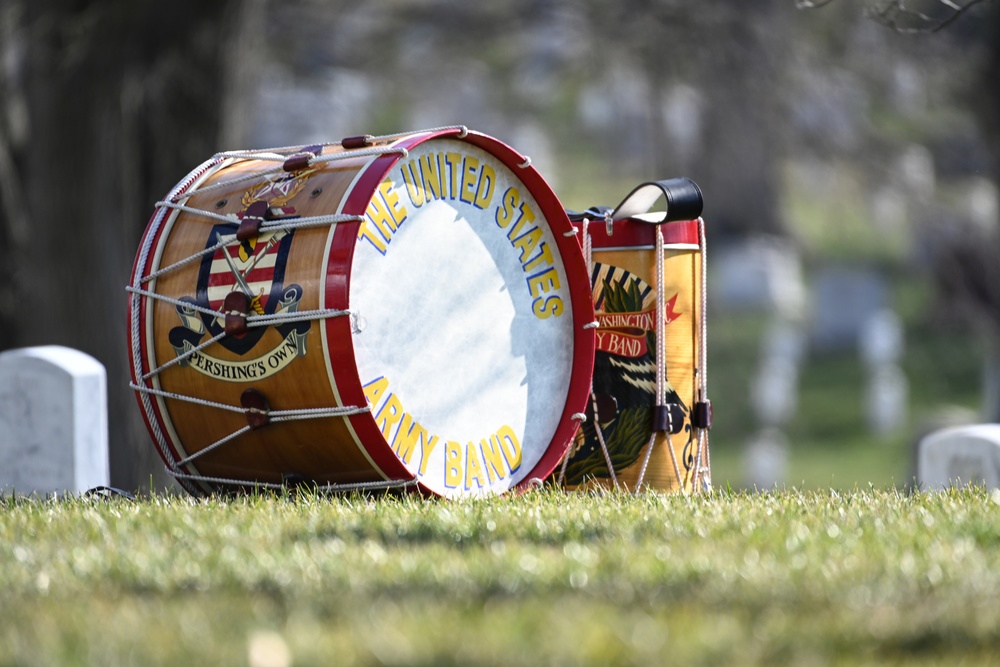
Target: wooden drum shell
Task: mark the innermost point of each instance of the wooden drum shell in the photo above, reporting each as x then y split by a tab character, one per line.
330	450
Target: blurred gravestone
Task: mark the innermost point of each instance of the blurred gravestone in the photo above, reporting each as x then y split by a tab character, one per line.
765	460
964	455
881	345
53	421
843	302
758	274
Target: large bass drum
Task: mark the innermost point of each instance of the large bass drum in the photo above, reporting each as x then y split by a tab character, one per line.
408	310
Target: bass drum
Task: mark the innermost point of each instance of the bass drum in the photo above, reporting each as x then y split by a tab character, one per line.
408	310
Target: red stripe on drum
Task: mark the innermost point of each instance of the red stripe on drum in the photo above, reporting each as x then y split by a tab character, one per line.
629	233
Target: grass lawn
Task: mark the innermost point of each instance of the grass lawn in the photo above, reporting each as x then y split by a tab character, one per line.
803	578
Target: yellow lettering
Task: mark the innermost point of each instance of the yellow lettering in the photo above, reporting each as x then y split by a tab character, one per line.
393	411
527	216
544	255
407	437
469	167
543	281
415	189
505	213
365	232
526	242
426	455
492	458
391	195
473	468
484	191
375	389
510	446
453	160
430	176
543	308
452	464
380	216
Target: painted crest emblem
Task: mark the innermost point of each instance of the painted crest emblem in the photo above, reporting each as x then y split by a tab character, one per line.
254	266
624	377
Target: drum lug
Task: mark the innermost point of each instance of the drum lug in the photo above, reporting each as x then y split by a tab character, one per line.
257	409
668	418
702	415
353	143
251	219
236	306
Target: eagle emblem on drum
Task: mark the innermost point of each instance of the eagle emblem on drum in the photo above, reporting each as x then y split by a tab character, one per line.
624	371
254	266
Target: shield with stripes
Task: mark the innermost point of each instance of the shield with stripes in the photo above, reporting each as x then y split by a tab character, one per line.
255	266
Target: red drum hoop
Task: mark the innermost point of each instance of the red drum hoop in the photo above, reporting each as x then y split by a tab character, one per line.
409	310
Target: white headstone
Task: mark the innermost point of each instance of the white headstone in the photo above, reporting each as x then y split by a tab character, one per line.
774	393
886	399
762	273
53	421
880	338
959	456
844	299
765	460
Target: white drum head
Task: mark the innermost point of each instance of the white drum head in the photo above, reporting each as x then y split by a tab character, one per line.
466	343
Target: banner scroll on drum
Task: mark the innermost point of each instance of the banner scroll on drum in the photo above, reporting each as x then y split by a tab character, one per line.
466	348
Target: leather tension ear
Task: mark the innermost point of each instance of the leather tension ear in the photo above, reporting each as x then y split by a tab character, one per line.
682	195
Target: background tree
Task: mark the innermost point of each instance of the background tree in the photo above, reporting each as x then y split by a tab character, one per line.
106	105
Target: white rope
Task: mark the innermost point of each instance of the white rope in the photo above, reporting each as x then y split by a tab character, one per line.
316	413
645	462
588	253
326	488
562	469
228	218
600	439
703	458
309	221
189	399
291	317
252	153
265	155
463	132
673	461
215	445
361	152
291	224
142	261
319	159
275	415
661	364
184	356
187	260
251	176
176	302
253	321
295	316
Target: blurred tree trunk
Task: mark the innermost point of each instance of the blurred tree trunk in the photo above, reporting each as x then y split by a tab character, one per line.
987	106
745	119
120	100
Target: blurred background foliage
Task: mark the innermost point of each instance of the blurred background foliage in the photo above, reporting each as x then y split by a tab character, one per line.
849	171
